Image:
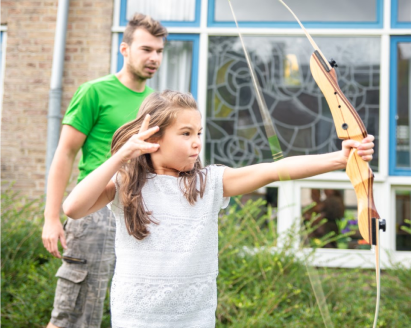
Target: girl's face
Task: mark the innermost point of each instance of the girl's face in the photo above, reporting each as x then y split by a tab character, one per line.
180	145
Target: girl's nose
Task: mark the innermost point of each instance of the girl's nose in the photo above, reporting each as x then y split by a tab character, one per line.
197	143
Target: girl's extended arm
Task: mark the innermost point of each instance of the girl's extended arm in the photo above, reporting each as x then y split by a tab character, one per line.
97	190
247	179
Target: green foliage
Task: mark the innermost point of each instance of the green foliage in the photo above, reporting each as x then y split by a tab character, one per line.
405	228
258	285
27	269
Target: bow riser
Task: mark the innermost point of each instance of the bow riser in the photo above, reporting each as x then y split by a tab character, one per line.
348	125
346	119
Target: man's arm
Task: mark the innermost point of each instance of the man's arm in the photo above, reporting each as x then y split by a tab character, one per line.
70	143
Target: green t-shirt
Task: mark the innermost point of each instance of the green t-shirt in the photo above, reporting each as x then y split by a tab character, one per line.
98	109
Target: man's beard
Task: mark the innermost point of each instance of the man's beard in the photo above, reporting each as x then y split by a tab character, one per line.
136	74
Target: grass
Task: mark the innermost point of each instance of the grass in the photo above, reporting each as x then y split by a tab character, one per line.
255	288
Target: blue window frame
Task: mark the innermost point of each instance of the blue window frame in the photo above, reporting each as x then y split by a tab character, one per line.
378	23
194	38
393	134
194	23
394	17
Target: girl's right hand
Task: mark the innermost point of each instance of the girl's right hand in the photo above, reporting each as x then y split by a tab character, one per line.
137	145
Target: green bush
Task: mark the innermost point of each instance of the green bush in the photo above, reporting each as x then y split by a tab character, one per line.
271	288
257	287
27	269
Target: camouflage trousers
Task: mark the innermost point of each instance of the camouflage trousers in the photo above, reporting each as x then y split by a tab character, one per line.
81	287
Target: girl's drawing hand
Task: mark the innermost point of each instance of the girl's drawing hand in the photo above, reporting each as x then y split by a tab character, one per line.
137	145
365	148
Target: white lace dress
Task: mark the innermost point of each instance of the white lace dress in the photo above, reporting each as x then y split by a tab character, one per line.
168	279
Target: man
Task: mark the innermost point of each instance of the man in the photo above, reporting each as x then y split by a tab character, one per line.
96	111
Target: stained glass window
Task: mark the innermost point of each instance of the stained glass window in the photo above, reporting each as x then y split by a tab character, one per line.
235	135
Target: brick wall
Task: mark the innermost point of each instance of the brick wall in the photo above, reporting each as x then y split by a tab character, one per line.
29	55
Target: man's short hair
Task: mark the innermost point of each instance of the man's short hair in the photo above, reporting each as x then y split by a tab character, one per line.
146	22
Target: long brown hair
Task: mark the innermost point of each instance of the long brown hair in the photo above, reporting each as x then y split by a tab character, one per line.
163	109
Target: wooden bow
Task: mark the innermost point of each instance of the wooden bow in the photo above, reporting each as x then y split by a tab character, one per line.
349	125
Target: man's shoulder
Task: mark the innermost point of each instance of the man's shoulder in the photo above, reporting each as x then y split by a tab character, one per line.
101	81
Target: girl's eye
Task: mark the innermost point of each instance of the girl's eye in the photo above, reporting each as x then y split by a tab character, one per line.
186	133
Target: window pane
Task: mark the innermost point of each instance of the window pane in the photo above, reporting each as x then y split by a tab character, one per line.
403	105
175	69
235	134
403	217
1	58
404	10
164	10
308	11
339	207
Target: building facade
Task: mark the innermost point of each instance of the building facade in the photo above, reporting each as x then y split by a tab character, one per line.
370	40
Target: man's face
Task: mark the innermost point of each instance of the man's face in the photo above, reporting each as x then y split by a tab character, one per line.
143	57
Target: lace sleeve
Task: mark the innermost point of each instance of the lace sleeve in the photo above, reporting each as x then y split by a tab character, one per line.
217	172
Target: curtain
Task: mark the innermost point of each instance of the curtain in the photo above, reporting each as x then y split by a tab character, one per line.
165	10
175	70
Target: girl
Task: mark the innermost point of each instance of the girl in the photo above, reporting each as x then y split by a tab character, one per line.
166	207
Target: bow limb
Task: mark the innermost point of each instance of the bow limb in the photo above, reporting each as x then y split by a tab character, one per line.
268	124
349	125
277	155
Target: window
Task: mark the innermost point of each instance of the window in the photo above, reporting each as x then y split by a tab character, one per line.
314	13
400	106
403	220
235	135
179	68
401	14
203	55
339	208
169	12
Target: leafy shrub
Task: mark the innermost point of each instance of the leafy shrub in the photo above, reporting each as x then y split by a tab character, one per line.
270	287
27	269
259	285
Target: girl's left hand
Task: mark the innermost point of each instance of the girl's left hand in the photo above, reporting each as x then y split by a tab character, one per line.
365	147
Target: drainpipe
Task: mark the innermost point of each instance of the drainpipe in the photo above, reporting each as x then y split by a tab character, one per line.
54	112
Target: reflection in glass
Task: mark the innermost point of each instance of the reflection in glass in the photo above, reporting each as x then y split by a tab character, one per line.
404	10
403	104
339	208
403	217
308	11
164	10
175	69
235	134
